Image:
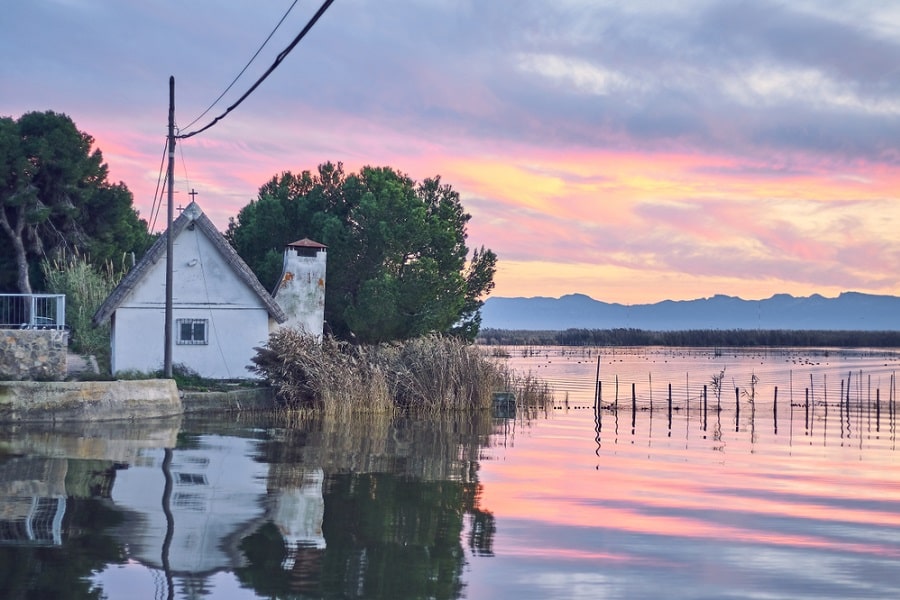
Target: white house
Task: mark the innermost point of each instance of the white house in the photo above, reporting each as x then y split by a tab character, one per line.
220	311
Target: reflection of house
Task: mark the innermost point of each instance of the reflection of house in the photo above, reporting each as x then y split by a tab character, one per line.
217	495
185	511
220	311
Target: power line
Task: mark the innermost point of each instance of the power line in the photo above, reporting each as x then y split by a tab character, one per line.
187	180
252	58
268	72
154	208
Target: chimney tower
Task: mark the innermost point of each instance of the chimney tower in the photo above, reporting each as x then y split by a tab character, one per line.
301	291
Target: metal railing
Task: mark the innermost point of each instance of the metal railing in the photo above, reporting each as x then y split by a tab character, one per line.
32	311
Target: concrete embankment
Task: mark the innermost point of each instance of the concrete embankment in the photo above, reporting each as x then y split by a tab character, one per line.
50	401
236	400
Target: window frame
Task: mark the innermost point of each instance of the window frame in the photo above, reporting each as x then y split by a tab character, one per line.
193	340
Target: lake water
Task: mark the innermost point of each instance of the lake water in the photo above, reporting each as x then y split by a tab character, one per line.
743	495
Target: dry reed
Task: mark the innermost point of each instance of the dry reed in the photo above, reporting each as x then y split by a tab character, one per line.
433	373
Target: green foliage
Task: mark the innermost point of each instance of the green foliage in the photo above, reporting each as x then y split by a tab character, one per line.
397	256
54	196
85	287
185	378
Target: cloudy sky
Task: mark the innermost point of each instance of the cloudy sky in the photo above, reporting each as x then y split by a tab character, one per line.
631	151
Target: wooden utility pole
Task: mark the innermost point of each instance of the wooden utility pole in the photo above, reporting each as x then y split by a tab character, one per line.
167	337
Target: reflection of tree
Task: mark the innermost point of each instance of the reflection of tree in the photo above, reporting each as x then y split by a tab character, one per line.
397	490
481	524
481	533
264	551
392	537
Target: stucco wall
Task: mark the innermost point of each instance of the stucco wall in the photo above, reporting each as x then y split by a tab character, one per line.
33	354
301	291
137	340
205	287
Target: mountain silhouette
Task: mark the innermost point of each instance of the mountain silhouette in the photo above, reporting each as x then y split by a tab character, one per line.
851	311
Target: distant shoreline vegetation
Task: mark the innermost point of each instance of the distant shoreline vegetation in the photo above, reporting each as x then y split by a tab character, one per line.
691	338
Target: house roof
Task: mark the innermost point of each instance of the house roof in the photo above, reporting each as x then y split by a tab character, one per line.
306	243
190	215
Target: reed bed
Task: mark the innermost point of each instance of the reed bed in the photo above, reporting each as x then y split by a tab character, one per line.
433	373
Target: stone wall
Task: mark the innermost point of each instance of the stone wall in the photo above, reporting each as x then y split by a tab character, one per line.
33	354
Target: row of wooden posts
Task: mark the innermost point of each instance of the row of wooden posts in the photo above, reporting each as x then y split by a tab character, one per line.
844	401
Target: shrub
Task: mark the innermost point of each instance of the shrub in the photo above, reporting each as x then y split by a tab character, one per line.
85	288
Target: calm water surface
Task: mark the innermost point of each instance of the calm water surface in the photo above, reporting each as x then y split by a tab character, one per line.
752	497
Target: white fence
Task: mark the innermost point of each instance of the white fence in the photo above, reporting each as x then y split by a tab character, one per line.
32	311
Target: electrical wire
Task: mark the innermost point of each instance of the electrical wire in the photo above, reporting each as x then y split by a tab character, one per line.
252	58
187	180
268	72
209	307
157	197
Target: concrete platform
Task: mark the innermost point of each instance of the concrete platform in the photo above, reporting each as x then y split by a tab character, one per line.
56	401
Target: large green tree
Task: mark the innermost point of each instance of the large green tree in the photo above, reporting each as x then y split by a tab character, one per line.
54	196
398	265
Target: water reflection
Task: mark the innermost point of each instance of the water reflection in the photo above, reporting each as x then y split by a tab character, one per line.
630	489
843	422
364	507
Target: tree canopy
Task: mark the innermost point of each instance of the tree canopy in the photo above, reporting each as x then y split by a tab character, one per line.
54	196
398	265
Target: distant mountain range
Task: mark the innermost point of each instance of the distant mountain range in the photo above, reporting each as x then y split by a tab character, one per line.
851	311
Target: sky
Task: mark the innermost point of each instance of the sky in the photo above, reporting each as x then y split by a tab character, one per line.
631	151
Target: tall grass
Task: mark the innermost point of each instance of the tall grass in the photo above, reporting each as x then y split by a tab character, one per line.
85	287
432	374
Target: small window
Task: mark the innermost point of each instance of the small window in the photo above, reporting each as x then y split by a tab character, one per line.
190	478
191	331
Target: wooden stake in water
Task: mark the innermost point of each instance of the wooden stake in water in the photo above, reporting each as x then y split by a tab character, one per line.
877	410
841	404
617	393
704	407
848	392
633	408
670	407
806	405
775	410
687	406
